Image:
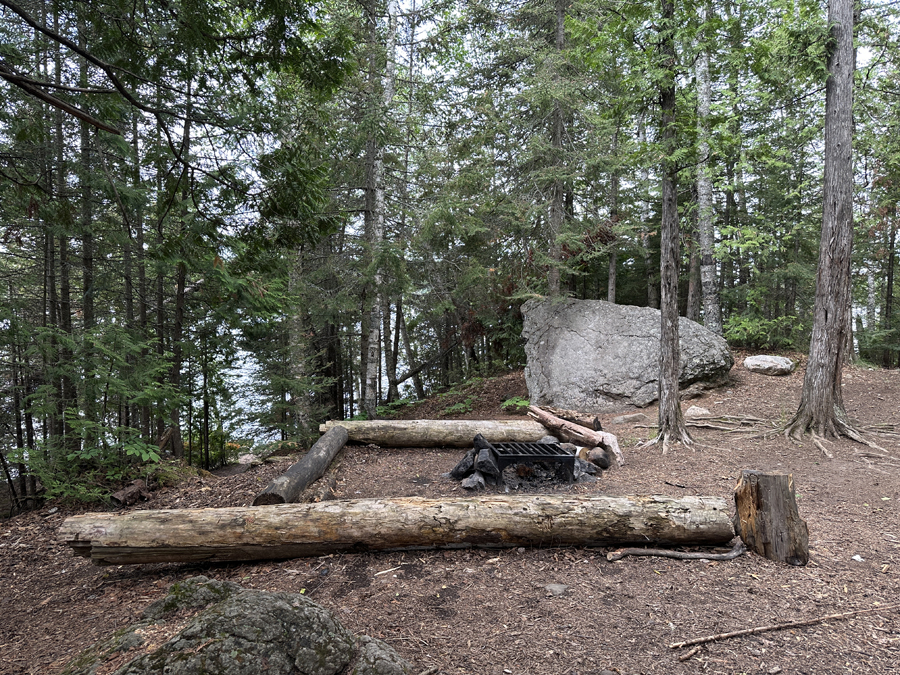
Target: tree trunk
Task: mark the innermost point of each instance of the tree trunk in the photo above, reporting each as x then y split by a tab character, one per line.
887	357
288	486
557	214
767	519
652	281
821	409
438	433
712	313
671	423
295	530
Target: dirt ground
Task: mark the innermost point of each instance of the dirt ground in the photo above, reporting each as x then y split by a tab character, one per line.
490	612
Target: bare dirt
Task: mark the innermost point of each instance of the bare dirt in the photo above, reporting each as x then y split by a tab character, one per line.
491	612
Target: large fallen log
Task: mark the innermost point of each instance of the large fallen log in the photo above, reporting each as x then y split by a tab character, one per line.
295	530
575	433
287	487
438	433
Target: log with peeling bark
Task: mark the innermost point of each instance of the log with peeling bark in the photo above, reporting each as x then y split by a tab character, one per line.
438	433
288	486
575	433
295	530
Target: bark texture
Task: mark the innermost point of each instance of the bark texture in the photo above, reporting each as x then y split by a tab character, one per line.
288	486
438	433
821	409
295	530
767	518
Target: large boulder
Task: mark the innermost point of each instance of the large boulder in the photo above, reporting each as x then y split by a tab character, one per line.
597	356
206	626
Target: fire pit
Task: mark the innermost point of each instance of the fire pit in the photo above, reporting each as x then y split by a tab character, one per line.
508	454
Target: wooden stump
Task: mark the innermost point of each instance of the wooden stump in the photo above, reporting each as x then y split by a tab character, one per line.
287	487
767	518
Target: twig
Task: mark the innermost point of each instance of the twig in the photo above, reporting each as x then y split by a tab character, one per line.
818	442
780	626
687	655
736	551
429	671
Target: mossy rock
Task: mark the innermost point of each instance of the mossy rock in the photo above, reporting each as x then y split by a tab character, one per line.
205	626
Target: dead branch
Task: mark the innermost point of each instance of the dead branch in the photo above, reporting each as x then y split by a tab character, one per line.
737	550
780	626
687	655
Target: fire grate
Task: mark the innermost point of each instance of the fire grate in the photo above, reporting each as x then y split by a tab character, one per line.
516	453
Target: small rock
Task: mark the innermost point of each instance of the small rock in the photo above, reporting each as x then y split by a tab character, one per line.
765	364
474	482
858	558
634	418
774	670
696	411
50	512
549	439
556	589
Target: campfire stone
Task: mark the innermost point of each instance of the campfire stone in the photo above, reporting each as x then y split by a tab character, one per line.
598	356
766	364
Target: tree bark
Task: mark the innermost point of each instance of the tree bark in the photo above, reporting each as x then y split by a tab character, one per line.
712	313
438	433
767	518
574	433
671	422
288	486
821	409
295	530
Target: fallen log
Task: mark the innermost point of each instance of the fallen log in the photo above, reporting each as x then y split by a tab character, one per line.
575	417
438	433
296	530
288	486
575	433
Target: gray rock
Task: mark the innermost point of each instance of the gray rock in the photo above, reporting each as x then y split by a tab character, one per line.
474	481
597	356
696	411
236	631
556	589
770	365
549	439
634	418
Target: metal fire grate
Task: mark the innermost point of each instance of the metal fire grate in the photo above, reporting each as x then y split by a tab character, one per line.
516	453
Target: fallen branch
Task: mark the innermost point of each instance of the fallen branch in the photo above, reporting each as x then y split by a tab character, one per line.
780	626
687	655
736	551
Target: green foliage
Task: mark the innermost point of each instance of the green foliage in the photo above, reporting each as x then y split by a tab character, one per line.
516	404
460	407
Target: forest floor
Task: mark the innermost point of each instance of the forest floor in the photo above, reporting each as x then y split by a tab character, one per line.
490	612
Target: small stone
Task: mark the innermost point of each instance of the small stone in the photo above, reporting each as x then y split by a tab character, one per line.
696	411
858	558
474	481
556	589
774	670
549	439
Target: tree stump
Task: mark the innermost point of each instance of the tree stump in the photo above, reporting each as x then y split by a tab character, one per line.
767	518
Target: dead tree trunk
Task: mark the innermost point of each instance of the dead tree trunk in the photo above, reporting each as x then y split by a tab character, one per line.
767	518
295	530
288	486
438	433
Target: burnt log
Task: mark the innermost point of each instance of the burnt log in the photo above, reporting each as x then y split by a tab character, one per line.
438	433
288	486
409	523
575	433
767	519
